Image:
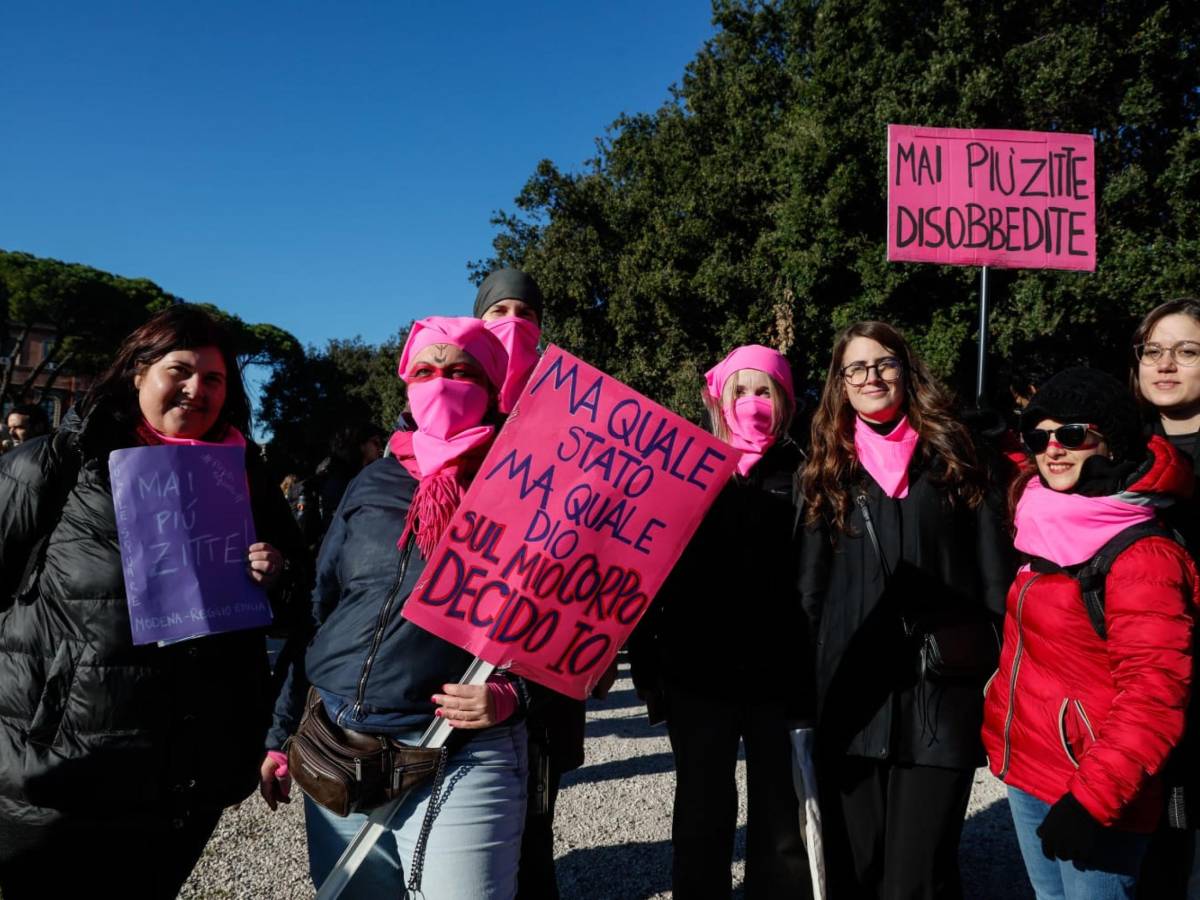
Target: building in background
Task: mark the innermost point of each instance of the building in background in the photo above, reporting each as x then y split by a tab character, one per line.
55	390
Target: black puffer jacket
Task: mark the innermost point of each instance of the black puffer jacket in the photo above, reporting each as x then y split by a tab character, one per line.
728	619
92	728
948	562
384	667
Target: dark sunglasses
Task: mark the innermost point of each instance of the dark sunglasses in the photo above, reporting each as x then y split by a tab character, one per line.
1072	437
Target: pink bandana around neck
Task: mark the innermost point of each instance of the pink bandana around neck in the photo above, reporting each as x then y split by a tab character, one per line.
1068	529
886	457
151	435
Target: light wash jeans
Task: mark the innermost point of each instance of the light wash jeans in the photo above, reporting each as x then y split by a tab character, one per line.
1056	879
474	843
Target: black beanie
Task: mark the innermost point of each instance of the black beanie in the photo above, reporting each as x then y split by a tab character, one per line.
508	284
1091	397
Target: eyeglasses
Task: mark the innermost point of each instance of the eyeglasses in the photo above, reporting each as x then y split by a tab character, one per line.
1072	437
1185	353
888	369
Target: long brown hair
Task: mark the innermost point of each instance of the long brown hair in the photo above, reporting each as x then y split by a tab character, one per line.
1185	306
832	463
181	326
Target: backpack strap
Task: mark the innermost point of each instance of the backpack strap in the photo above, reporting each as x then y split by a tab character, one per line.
1092	574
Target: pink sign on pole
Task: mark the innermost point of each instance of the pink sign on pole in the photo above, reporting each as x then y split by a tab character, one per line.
579	511
1010	199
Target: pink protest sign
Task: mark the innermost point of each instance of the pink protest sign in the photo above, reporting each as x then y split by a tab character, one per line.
583	505
1011	199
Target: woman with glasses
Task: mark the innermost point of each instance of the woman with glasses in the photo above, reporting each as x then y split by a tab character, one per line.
1166	381
903	548
1090	695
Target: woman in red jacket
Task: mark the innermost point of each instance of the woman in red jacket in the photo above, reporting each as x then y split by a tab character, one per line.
1076	724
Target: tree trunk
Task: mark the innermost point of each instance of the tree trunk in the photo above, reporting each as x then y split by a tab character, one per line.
44	392
6	377
31	381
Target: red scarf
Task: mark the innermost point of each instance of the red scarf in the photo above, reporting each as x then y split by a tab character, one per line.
443	470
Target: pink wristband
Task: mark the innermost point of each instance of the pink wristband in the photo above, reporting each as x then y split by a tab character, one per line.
504	698
281	760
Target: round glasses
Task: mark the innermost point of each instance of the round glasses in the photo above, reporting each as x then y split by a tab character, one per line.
1072	437
888	369
1185	353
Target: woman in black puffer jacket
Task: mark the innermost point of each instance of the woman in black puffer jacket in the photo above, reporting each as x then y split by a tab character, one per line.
116	760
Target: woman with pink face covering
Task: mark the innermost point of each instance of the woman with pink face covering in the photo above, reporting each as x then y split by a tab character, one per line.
904	538
745	686
378	676
510	304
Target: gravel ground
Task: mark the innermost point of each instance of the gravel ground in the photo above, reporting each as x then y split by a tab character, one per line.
613	827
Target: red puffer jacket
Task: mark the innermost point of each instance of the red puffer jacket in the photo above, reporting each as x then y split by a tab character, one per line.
1068	710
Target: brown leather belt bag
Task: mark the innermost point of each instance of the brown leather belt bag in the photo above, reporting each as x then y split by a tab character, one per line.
348	771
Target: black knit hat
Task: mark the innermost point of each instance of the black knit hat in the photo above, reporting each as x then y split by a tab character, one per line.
508	284
1091	397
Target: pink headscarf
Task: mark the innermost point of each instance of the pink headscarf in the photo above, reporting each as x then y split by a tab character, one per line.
443	458
751	356
463	332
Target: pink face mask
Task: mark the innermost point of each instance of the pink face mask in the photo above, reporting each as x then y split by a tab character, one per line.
443	407
749	420
520	338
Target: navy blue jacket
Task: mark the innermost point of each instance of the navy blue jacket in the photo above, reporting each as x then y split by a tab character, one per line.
381	668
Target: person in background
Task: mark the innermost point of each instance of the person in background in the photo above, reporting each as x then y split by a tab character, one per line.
1088	702
377	677
116	760
510	303
749	687
903	547
1166	382
25	422
350	450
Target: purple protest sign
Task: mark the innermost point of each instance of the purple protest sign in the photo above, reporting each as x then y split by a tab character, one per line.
184	524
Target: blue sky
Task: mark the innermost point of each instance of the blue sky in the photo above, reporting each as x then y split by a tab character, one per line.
328	167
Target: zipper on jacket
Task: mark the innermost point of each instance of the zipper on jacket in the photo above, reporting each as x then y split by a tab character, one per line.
1012	682
1062	733
385	615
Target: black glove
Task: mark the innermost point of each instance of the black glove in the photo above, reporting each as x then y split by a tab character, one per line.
1069	832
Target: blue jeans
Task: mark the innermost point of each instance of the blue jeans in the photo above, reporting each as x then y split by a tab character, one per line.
1055	879
474	843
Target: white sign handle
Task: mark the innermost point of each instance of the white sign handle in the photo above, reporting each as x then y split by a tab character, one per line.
352	857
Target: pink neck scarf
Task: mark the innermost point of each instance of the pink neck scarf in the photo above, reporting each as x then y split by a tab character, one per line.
520	338
1068	529
150	435
886	457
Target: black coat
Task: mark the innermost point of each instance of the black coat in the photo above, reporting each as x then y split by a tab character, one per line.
92	728
948	561
728	619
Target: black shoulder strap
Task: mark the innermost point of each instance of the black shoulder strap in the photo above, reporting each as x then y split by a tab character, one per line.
1092	574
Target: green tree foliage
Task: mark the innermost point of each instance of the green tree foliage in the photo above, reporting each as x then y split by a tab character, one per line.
314	394
752	205
91	312
88	311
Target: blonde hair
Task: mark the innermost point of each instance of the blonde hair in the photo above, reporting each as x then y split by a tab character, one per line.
782	408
